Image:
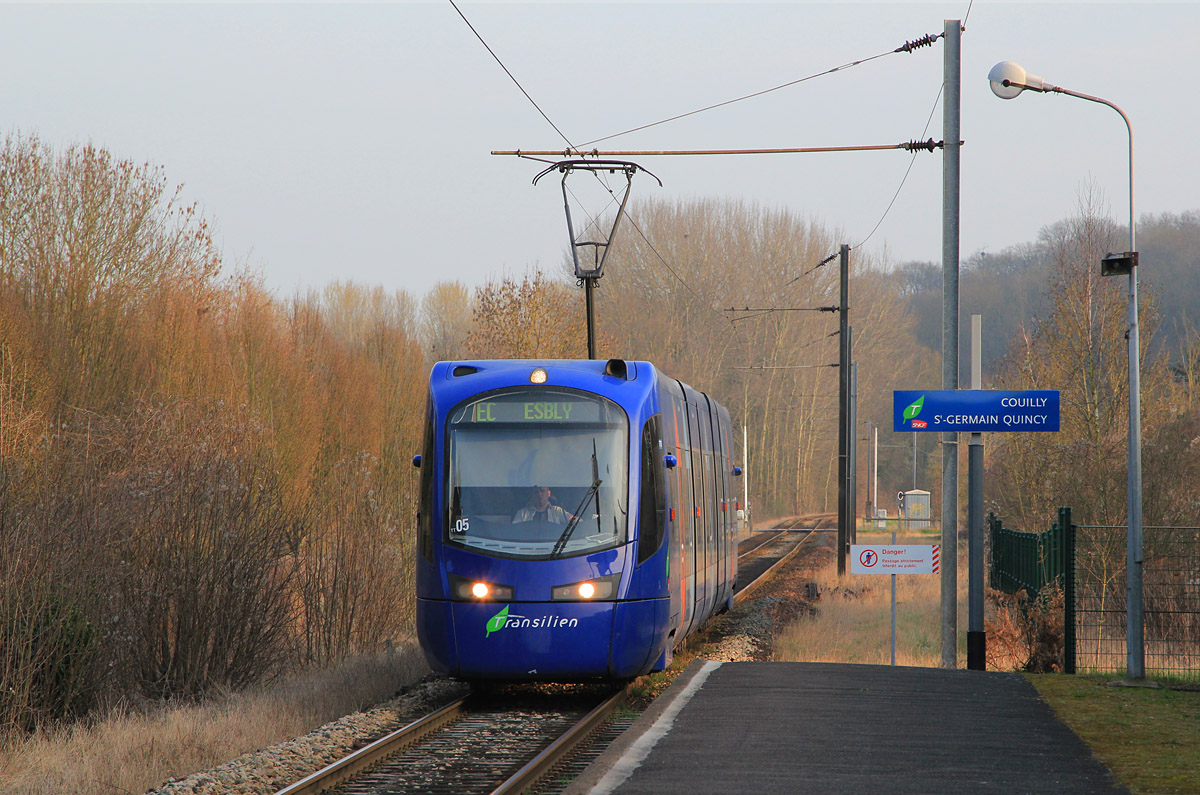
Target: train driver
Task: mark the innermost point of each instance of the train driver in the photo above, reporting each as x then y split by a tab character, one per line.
539	507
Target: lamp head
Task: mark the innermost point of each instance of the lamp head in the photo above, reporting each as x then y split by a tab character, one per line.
1008	79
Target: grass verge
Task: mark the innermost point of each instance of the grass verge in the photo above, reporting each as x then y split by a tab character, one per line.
1149	738
130	751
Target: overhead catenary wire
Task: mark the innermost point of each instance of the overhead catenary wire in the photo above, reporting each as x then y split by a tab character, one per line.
511	75
912	160
682	281
937	100
910	146
784	309
908	47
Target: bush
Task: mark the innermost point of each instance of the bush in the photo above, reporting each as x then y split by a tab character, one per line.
1026	634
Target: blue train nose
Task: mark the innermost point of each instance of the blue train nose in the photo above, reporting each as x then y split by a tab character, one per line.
533	640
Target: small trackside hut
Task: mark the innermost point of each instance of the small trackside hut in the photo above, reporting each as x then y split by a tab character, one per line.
577	519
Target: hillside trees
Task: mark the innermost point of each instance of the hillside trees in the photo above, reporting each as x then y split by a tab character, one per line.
1079	349
665	296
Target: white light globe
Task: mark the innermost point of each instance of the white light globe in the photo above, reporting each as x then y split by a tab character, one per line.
1007	71
1017	78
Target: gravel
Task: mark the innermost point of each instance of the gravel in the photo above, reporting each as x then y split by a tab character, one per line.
270	769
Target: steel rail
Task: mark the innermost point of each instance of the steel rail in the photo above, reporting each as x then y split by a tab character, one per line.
768	537
750	586
558	750
368	755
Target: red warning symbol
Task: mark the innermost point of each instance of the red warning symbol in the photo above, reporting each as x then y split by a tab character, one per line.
868	558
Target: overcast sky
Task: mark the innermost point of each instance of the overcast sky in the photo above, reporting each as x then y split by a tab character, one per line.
351	142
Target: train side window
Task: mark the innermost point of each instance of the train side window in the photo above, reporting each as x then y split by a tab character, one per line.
426	512
652	519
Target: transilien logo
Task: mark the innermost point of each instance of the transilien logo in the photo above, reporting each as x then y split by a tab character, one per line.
497	622
912	411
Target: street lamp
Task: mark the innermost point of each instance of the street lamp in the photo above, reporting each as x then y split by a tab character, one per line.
1008	80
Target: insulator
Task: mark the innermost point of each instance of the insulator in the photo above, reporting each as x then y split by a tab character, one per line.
925	41
928	146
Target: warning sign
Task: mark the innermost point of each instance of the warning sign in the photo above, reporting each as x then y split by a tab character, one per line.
913	559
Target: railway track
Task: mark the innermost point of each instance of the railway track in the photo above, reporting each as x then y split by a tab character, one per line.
509	741
758	558
499	743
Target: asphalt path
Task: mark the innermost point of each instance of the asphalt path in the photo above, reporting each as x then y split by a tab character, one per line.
776	727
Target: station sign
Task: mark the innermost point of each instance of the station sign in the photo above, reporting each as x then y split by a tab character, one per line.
911	559
975	410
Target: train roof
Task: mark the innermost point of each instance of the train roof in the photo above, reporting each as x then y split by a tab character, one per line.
620	379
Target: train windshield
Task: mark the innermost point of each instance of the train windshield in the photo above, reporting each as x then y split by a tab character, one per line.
538	473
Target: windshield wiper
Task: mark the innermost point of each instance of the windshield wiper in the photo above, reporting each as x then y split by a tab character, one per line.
587	498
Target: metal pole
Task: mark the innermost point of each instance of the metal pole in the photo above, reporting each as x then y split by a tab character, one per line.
976	637
852	489
589	285
843	407
875	477
893	603
1135	645
950	184
872	474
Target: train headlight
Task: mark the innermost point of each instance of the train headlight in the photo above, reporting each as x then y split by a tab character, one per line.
599	589
538	376
476	590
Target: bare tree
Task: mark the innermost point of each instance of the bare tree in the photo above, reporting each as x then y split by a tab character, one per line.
534	318
447	318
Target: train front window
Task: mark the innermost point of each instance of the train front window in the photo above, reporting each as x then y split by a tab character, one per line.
538	473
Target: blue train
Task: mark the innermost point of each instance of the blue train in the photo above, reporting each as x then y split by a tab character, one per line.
577	519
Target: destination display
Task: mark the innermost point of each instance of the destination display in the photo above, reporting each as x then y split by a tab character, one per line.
531	411
975	410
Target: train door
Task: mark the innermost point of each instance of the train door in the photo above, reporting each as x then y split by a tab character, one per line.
719	505
670	430
705	498
677	577
731	497
709	510
723	482
686	517
698	511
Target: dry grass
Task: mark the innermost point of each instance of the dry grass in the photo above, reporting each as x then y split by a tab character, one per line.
129	752
852	623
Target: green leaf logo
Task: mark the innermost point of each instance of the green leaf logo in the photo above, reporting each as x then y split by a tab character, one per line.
497	622
914	409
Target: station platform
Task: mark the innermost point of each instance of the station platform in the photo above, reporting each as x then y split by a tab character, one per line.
776	727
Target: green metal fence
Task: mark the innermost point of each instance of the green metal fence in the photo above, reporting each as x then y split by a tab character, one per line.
1089	562
1028	560
1170	598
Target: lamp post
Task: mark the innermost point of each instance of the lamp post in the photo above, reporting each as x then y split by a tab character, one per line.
1008	80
